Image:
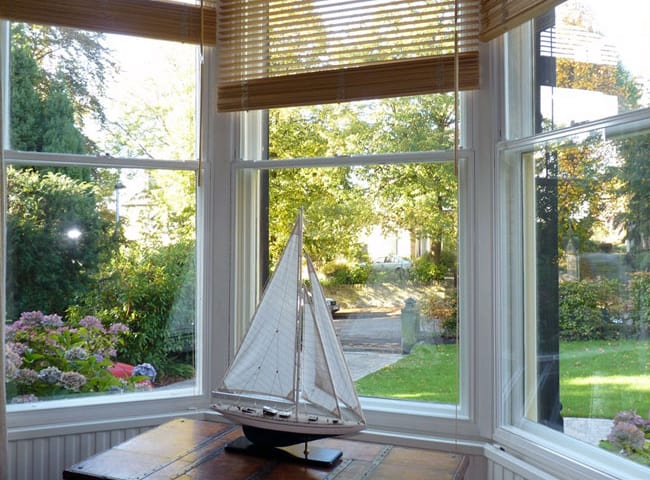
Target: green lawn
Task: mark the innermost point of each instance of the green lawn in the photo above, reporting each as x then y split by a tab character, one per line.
428	374
597	379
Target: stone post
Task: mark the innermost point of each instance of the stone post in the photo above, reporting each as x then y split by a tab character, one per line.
410	319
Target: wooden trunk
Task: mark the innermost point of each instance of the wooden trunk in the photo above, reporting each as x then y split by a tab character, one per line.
194	449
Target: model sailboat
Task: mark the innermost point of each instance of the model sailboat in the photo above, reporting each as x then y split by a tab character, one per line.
289	382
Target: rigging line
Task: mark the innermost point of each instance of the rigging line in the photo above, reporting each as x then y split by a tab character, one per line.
298	230
199	174
456	87
456	137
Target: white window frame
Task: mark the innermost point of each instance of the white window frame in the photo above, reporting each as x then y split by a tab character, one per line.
540	446
436	425
213	303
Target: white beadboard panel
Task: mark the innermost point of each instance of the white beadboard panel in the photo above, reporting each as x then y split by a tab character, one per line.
503	466
46	458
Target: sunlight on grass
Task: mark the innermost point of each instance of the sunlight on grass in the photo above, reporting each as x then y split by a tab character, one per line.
638	382
597	378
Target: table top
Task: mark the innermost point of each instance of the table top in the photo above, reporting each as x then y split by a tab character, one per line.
197	449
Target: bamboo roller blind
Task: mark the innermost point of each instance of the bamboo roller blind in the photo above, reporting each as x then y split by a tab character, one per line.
164	20
499	16
297	52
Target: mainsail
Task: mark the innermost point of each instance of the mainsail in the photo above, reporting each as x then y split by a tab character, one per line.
290	374
265	361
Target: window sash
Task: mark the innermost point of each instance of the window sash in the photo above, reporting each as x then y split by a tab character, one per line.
162	20
518	429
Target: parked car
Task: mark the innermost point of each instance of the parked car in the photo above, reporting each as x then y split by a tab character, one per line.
392	263
334	306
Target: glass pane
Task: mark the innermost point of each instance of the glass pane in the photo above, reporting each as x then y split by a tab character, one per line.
81	92
384	242
393	125
591	61
588	372
100	281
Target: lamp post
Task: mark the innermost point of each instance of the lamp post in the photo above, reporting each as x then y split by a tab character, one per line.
118	186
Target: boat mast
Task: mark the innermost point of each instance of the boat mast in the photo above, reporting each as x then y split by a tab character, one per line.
300	294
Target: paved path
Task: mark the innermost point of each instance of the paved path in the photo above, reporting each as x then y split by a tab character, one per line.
364	363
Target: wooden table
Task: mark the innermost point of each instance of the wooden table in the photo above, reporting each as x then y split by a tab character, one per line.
194	449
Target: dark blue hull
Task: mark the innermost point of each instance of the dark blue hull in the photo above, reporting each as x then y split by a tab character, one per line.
276	438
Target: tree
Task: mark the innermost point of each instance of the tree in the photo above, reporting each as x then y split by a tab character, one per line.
26	112
55	235
74	57
635	177
335	206
418	198
48	267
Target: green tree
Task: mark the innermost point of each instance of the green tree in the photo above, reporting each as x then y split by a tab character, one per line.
79	59
635	177
55	236
418	198
26	111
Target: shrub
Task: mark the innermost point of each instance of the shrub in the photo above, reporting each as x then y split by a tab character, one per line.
339	273
47	357
588	309
445	309
425	270
152	291
640	302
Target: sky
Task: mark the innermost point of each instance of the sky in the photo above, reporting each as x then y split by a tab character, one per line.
625	23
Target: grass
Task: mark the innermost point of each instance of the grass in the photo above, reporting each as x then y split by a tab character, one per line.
597	378
428	374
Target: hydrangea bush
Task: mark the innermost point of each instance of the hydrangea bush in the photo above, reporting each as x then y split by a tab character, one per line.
630	436
47	357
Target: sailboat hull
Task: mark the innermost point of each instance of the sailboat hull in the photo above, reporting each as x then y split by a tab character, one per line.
276	432
278	438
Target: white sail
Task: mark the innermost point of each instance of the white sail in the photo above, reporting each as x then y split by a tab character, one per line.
265	361
334	361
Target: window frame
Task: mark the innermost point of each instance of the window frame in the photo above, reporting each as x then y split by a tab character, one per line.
211	210
388	418
543	447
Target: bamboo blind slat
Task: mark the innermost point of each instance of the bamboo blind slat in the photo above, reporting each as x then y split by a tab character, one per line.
499	16
163	20
301	52
375	80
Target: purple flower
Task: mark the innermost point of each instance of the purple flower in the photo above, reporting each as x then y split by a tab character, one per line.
72	381
30	318
117	328
27	376
627	436
13	359
629	416
53	321
91	322
144	369
76	353
50	375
